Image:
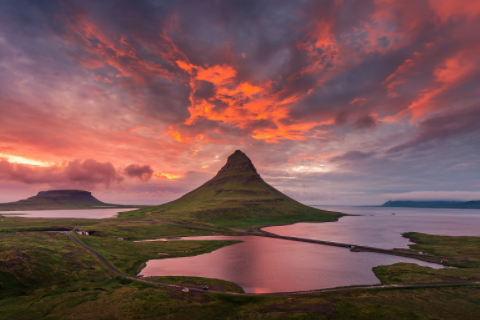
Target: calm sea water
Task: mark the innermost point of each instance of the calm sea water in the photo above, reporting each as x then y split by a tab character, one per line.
259	265
377	227
85	214
273	265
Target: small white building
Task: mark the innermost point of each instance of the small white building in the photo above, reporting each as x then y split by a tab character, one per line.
82	233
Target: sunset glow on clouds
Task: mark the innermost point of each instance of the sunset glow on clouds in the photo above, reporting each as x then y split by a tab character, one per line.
353	102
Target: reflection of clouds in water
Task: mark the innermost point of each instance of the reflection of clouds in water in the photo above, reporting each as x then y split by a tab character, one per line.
384	230
260	264
77	214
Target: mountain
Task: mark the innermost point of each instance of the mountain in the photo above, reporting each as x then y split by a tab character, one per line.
238	195
57	199
433	204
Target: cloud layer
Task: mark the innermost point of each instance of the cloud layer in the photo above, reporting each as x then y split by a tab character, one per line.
334	101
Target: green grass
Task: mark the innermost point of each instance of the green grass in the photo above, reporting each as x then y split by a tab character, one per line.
14	224
34	261
456	247
237	198
65	282
127	256
196	282
140	230
413	273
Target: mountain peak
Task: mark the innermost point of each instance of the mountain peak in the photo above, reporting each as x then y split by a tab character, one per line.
238	161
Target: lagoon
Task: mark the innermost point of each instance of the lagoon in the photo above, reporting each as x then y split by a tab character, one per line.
77	213
259	264
262	265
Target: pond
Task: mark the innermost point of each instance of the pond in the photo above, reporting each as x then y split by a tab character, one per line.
261	265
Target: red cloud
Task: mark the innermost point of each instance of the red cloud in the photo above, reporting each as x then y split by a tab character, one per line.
89	173
144	173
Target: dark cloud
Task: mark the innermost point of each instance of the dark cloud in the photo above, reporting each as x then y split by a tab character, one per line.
365	122
449	125
351	156
289	82
144	173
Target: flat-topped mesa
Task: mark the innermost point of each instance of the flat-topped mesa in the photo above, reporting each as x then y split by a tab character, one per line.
238	161
52	193
56	200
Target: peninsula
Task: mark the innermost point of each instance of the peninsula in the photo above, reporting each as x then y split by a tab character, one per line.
433	204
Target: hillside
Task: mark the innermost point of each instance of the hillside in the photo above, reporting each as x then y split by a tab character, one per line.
433	204
57	199
238	196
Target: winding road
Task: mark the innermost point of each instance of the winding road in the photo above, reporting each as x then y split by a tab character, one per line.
363	287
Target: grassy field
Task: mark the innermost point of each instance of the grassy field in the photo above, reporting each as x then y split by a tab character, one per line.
14	224
456	247
48	276
127	256
140	230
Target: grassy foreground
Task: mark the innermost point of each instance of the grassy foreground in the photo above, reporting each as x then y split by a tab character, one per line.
456	247
47	276
128	256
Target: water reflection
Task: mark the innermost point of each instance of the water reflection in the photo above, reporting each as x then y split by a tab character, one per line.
377	227
77	214
273	265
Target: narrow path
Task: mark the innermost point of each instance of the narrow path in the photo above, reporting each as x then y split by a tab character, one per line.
257	231
358	248
116	271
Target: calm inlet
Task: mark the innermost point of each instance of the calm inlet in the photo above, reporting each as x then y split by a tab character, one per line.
378	227
259	264
273	265
77	214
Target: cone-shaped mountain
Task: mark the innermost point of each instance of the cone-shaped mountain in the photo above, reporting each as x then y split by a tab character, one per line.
237	195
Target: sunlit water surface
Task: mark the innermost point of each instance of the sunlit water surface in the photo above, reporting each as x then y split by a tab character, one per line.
77	214
273	265
259	264
378	227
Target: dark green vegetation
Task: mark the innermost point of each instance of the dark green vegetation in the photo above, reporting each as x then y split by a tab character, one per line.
14	224
455	247
58	199
141	230
434	204
195	282
47	276
238	198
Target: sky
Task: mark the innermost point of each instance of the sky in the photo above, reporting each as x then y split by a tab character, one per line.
335	102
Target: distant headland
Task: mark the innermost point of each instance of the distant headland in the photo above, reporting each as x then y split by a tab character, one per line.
433	204
59	199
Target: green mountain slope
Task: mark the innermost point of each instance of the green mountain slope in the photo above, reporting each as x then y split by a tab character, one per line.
238	196
57	199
